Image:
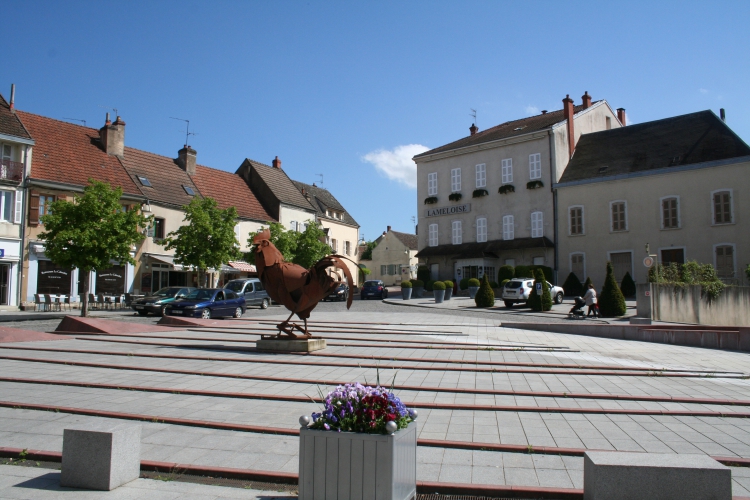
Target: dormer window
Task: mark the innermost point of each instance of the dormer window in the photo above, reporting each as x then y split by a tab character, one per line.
188	190
144	181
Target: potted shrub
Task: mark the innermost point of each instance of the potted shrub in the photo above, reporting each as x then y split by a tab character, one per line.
463	284
448	290
455	196
406	289
338	450
430	200
485	297
506	188
478	193
418	288
438	291
473	287
534	184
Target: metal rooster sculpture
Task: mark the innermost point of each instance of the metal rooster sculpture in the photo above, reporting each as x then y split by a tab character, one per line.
297	288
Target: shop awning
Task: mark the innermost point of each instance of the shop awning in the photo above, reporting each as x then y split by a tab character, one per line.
166	259
489	249
243	266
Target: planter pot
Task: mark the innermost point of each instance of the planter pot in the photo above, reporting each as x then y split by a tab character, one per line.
418	291
439	296
406	293
448	293
353	465
473	291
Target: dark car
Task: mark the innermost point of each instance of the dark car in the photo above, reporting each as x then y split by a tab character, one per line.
158	301
341	292
253	291
374	288
208	303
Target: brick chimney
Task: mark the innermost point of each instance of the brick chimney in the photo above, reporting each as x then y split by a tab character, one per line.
12	97
473	129
568	112
621	116
112	136
186	158
389	229
276	162
586	100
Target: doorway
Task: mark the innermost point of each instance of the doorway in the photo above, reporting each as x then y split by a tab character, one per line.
4	284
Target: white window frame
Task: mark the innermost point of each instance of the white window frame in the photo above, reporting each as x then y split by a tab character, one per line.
507	171
334	245
661	212
293	225
537	232
455	180
481	229
508	227
570	264
734	251
632	260
456	232
18	219
432	184
481	175
383	269
237	233
433	235
583	221
347	247
535	166
713	208
612	219
12	216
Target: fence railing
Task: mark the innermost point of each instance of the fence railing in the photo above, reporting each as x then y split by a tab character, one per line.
11	170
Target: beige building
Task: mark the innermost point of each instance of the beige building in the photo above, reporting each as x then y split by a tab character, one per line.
394	258
678	185
486	200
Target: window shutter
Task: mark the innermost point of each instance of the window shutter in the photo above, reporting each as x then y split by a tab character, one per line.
19	207
33	208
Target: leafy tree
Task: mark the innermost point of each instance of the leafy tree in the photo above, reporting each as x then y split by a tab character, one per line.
485	296
548	273
310	246
541	302
207	240
505	273
367	254
523	272
611	301
363	273
91	232
627	286
573	286
586	284
423	273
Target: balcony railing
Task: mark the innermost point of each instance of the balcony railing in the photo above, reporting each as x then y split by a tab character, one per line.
11	170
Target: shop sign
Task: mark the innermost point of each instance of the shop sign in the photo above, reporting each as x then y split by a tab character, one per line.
452	210
2	253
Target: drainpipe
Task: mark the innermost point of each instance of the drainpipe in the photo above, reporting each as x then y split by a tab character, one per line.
555	216
24	216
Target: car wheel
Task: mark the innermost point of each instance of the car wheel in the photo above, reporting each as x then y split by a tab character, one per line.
508	303
206	314
264	304
559	298
238	312
142	313
163	311
385	295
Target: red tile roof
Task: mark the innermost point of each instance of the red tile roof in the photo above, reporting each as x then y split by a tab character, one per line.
9	122
71	154
164	174
230	189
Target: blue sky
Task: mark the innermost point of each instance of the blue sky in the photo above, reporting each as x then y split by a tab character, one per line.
351	90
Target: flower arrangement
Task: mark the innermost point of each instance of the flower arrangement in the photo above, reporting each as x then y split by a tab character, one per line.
455	196
359	408
506	188
430	200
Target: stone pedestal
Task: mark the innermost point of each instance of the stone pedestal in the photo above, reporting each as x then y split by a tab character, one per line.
281	344
101	456
613	475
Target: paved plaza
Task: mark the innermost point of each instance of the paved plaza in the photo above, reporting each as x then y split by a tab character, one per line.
497	406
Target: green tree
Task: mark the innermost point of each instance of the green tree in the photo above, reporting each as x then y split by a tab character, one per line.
367	254
586	284
541	302
572	286
423	273
505	273
485	296
310	246
363	273
207	240
91	232
627	286
611	301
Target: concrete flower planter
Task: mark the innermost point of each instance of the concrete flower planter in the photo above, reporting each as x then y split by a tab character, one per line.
352	465
418	291
448	293
406	293
473	291
439	296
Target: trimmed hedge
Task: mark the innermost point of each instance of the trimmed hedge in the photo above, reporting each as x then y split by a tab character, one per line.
438	285
586	284
573	286
417	283
448	284
523	272
502	284
627	287
428	285
611	301
474	282
423	273
493	284
506	273
463	284
540	302
485	297
406	284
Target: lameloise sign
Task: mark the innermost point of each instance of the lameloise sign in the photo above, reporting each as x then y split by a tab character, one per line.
455	209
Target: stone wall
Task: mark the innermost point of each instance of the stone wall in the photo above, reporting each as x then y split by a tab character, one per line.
687	305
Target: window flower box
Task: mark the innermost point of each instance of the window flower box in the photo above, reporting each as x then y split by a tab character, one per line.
455	196
478	193
430	200
507	188
534	184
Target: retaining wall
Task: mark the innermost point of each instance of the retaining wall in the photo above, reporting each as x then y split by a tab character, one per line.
688	305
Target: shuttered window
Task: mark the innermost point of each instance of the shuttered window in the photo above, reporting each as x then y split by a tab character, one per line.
670	213
725	261
481	175
535	166
433	235
455	180
723	207
33	208
432	184
577	266
622	262
619	216
456	232
481	230
507	170
537	225
508	227
576	220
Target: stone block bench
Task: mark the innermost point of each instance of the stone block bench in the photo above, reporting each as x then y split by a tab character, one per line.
612	475
101	456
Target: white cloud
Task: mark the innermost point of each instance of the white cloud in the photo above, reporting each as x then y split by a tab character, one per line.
397	164
703	91
532	110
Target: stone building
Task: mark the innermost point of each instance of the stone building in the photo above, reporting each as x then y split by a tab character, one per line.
394	258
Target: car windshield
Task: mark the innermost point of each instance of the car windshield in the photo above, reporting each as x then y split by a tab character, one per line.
372	283
514	284
166	292
200	295
235	286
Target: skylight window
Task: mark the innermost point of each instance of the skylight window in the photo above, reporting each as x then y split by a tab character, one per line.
144	181
188	190
520	128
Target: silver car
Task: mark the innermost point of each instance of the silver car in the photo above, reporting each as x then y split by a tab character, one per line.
517	291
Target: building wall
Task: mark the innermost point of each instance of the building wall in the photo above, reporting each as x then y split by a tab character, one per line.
697	234
244	229
288	214
343	233
391	251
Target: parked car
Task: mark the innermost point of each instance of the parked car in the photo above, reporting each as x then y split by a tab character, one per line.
157	302
208	303
253	291
340	293
374	288
517	291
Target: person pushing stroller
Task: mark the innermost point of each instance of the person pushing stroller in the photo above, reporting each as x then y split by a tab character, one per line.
590	299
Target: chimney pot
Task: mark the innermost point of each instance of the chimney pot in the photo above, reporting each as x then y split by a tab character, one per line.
544	111
186	159
586	100
389	229
12	97
112	136
473	129
621	116
723	115
276	162
568	112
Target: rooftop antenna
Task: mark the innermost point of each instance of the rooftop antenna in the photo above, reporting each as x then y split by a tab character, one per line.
188	133
474	115
75	120
111	109
414	222
321	179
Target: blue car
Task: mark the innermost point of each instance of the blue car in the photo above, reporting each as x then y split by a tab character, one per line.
208	303
374	289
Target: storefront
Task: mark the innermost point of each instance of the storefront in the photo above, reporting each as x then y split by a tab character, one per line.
111	281
476	268
160	271
10	251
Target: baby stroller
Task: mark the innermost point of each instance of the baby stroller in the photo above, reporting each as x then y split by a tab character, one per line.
577	311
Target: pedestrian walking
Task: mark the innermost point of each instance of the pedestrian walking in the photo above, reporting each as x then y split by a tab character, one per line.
590	298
